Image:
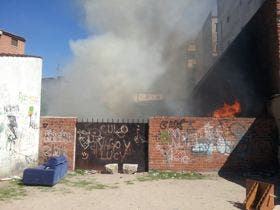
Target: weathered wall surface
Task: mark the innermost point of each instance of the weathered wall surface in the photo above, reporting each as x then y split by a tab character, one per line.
248	70
20	93
207	144
101	143
233	16
206	43
58	136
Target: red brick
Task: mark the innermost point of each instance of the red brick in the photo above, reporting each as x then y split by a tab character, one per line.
177	154
57	136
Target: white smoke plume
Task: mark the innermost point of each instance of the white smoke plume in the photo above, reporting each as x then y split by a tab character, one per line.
135	46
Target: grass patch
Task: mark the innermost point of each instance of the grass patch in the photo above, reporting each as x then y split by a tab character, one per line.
80	172
113	187
97	186
129	182
45	188
80	183
71	174
64	181
84	184
161	175
14	190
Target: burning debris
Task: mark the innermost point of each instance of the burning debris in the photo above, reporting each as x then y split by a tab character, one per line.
228	111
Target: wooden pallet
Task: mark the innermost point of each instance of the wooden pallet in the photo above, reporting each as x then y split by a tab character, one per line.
259	195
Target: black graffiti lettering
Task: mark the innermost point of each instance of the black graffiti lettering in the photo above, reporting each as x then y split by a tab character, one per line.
12	125
176	124
111	143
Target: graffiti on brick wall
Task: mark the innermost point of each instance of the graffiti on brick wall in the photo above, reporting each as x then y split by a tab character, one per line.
210	139
49	150
102	143
50	135
182	140
57	137
176	124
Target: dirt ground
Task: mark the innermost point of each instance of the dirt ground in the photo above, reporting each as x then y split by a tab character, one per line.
120	191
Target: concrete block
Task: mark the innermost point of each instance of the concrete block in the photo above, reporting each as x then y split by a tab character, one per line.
130	168
112	168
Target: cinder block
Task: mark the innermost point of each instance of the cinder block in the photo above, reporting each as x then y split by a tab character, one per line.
130	168
112	168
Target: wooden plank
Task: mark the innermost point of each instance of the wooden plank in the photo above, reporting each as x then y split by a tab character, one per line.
250	198
259	195
267	200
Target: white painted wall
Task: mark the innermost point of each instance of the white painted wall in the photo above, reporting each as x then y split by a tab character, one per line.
20	96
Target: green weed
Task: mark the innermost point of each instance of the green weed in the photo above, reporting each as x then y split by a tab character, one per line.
80	172
159	175
113	187
64	181
97	186
85	184
129	182
14	190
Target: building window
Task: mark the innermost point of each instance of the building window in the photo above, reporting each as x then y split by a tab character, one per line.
228	19
14	42
191	55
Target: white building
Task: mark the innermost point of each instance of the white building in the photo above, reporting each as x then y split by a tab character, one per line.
20	96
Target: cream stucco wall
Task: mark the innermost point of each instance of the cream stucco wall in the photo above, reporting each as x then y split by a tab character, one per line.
20	95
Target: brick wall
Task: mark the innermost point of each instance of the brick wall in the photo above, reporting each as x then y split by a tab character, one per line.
207	144
6	47
57	136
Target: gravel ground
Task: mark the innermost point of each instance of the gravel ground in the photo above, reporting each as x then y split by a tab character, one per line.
119	191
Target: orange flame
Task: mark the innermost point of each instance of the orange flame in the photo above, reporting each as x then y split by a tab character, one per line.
228	110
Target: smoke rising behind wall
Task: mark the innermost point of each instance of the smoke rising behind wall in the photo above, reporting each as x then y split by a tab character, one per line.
133	47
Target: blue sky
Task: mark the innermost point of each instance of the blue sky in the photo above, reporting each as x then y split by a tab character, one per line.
47	26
